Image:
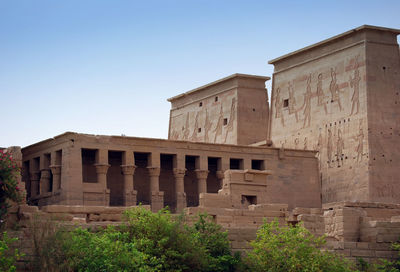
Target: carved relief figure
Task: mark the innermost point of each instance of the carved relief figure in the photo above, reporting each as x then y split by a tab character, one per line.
186	129
320	93
307	103
229	126
296	143
207	127
318	147
195	128
218	127
339	148
292	102
334	89
355	84
174	135
330	147
278	106
360	146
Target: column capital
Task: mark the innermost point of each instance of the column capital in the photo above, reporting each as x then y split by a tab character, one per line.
179	173
154	171
55	169
101	168
201	174
220	174
128	169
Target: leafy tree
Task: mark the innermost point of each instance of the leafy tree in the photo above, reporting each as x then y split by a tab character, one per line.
291	249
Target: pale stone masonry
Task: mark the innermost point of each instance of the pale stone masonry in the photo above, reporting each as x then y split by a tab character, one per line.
326	152
341	98
125	171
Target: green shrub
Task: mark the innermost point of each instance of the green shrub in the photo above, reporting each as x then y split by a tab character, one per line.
390	266
8	258
291	249
8	184
103	251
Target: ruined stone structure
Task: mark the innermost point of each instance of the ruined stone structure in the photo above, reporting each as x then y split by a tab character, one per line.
326	153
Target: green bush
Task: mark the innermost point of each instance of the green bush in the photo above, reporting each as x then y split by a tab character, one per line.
8	183
390	266
145	242
8	258
175	246
291	249
108	250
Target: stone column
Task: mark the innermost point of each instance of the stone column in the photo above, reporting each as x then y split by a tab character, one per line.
101	171
156	197
34	177
179	175
129	193
44	181
56	171
220	177
201	180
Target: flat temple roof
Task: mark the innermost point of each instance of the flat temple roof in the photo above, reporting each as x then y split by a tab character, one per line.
363	27
265	78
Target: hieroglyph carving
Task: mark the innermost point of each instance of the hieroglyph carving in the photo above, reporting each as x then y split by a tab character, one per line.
195	128
207	127
360	143
292	102
329	147
355	84
320	93
305	143
307	103
229	127
339	148
278	106
186	131
218	127
334	89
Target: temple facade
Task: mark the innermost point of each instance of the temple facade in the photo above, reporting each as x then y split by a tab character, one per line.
331	133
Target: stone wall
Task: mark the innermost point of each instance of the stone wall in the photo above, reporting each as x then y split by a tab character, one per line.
340	97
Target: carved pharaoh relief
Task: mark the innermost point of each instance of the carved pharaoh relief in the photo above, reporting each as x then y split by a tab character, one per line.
229	127
334	89
307	103
320	93
355	84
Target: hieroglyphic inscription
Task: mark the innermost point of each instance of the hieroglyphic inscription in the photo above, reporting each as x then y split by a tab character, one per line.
329	147
307	103
334	89
339	148
355	84
195	128
207	127
218	127
292	102
186	131
360	143
320	93
229	127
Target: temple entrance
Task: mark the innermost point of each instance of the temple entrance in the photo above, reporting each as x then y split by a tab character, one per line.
115	178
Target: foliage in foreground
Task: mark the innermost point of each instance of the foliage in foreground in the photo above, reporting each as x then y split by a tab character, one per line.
8	183
291	249
8	257
145	242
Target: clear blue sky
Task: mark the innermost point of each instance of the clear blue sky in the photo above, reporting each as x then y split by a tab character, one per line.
107	67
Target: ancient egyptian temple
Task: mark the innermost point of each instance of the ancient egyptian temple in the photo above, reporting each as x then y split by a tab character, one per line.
331	133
